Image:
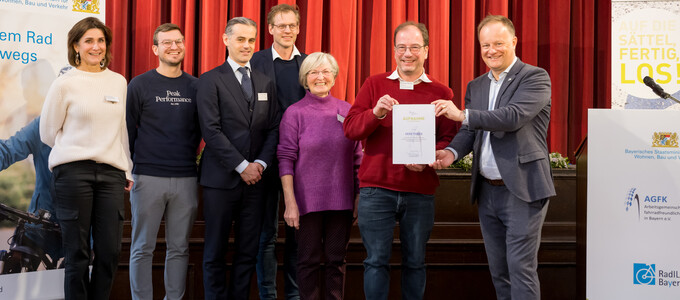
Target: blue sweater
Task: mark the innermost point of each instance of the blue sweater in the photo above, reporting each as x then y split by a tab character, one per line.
288	87
163	125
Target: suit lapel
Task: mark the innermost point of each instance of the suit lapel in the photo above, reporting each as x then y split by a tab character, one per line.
269	63
485	93
261	108
508	80
299	59
234	88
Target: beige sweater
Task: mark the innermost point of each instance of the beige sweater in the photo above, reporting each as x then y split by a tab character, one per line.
83	118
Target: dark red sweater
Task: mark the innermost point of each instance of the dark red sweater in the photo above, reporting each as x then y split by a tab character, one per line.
376	168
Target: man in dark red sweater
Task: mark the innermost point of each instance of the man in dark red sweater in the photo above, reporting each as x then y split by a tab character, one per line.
389	192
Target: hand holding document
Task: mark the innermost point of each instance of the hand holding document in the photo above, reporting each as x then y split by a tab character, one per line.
383	106
413	134
448	109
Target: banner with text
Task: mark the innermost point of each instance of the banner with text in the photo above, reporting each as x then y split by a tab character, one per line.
645	42
633	204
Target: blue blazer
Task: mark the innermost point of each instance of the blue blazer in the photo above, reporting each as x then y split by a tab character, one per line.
231	131
518	126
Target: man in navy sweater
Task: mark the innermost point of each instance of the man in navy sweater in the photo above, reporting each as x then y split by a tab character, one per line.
281	63
164	134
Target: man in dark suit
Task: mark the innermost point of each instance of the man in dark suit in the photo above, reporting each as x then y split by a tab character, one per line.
505	124
239	118
281	63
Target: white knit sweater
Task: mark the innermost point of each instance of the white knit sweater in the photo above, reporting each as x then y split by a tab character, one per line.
83	118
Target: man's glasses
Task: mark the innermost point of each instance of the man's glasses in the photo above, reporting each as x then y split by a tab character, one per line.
401	49
283	26
168	43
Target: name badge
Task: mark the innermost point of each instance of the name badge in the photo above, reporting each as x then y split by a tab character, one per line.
341	119
404	85
261	96
112	99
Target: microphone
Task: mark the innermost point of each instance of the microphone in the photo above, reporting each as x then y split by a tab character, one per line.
655	87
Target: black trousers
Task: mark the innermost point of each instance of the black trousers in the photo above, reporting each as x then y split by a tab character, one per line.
89	202
322	240
244	206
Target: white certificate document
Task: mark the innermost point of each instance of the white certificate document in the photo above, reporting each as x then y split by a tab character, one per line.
413	134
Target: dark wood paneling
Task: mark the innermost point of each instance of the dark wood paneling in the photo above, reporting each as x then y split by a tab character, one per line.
457	265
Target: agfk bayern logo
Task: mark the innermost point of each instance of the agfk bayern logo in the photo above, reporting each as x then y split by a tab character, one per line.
633	200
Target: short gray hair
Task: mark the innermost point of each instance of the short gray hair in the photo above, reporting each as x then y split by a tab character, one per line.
238	20
315	60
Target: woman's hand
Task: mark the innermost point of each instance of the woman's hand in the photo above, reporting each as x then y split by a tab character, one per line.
292	214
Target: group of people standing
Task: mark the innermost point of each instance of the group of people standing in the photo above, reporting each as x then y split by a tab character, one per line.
272	129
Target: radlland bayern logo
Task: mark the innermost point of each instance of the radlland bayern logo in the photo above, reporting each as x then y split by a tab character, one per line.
87	6
665	139
649	274
644	274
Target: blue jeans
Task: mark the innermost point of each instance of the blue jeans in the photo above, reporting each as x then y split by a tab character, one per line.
379	211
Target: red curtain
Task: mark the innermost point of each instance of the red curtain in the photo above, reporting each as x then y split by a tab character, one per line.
568	38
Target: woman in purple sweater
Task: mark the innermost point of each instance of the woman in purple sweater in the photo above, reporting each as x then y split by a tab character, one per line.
318	166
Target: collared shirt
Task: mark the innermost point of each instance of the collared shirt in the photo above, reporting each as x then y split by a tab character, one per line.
276	55
234	66
488	166
422	78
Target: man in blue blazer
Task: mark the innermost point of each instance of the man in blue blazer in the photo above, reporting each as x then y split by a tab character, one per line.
239	118
505	123
281	63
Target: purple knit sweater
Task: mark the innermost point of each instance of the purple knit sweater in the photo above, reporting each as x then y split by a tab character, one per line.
313	148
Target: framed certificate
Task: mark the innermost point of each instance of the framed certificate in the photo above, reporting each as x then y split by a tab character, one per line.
413	134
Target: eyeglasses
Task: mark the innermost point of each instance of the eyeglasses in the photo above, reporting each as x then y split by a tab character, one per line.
325	73
401	49
168	43
283	26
